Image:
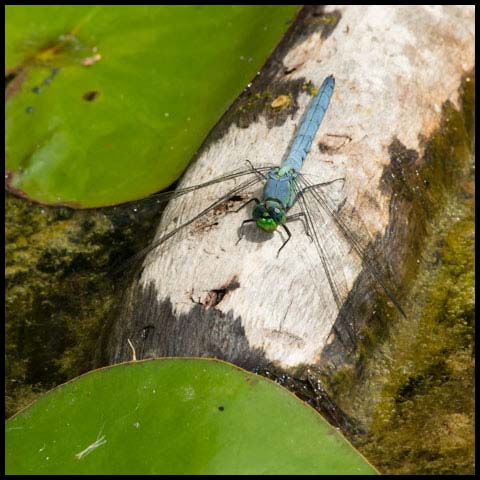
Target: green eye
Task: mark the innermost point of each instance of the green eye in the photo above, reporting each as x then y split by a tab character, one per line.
278	215
259	211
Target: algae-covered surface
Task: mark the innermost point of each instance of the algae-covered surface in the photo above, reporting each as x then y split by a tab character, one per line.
59	292
411	382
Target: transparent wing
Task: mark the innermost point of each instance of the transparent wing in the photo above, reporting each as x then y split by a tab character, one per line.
324	215
162	197
319	229
217	203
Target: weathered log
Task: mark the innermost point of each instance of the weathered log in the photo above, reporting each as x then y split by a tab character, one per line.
201	293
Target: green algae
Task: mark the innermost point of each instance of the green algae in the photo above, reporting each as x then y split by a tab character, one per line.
420	384
410	383
58	291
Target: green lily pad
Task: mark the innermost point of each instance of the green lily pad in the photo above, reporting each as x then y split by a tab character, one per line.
107	104
175	416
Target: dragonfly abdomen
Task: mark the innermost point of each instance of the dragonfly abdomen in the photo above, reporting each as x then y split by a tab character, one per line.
309	125
297	157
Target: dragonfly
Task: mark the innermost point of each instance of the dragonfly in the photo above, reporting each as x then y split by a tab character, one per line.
285	186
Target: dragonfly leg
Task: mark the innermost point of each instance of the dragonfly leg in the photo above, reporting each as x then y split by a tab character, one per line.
301	216
259	174
240	230
286	241
256	200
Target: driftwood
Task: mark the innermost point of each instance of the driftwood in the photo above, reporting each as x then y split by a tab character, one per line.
201	293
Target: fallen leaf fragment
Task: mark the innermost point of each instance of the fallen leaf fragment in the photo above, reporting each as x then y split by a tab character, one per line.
281	101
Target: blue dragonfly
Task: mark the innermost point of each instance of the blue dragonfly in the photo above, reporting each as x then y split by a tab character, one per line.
285	186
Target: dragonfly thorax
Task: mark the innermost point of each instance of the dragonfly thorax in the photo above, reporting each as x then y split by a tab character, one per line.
269	214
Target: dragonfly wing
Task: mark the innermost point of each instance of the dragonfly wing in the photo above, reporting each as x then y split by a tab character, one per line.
350	228
167	196
221	200
318	226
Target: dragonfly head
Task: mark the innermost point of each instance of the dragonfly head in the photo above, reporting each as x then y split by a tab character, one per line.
269	215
